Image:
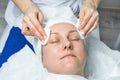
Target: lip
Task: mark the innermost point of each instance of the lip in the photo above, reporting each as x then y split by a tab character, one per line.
68	55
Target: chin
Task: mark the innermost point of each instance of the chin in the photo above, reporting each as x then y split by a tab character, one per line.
71	66
71	69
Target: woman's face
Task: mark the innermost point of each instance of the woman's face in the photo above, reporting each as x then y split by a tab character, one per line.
65	51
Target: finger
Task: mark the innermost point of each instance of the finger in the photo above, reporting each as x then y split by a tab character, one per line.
90	24
32	28
82	14
37	25
40	18
26	30
29	33
85	20
93	28
35	21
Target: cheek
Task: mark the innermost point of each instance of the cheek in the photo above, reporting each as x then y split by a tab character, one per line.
49	56
49	51
80	51
79	46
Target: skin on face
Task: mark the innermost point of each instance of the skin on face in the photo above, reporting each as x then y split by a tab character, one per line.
65	51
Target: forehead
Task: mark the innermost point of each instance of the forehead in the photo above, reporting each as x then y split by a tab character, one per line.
62	27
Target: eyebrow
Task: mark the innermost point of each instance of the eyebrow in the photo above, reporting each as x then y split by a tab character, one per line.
68	32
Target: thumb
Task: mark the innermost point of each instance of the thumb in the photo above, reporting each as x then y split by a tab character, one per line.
81	15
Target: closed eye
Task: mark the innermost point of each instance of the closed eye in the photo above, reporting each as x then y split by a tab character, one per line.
74	36
74	39
54	38
54	41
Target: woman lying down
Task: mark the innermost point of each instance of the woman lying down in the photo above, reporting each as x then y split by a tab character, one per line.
64	55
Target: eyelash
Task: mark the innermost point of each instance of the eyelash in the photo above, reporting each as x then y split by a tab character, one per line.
71	39
55	41
74	39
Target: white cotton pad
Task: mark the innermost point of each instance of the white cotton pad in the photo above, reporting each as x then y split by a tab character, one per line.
47	31
82	34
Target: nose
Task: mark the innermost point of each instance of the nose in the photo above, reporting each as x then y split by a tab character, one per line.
67	45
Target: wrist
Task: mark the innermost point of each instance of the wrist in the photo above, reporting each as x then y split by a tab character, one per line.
28	5
93	3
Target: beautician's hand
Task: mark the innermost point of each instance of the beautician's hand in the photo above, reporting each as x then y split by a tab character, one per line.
89	17
32	22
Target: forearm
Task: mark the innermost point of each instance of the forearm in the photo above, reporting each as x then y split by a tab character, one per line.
23	5
94	3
